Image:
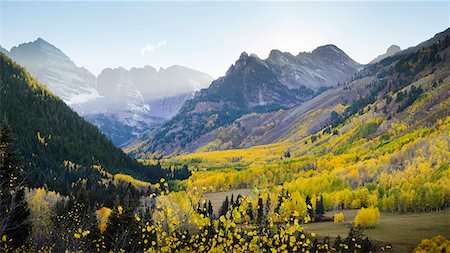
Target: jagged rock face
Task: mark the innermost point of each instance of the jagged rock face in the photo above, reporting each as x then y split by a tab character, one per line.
52	67
389	52
252	85
324	67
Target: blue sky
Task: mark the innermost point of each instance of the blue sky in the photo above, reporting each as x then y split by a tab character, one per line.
209	36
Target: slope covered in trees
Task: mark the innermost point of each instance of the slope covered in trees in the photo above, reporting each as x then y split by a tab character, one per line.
388	147
49	133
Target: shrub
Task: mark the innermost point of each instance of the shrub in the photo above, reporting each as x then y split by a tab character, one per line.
367	217
339	217
435	244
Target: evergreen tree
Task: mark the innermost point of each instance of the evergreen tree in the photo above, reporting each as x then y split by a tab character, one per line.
260	217
225	206
279	202
210	209
250	213
267	209
320	209
205	209
14	212
122	231
309	207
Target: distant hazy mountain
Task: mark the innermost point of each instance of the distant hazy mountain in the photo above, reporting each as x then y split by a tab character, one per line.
170	82
137	100
252	85
123	103
52	67
389	52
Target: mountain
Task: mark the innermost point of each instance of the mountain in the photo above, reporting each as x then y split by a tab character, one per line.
4	51
428	43
389	52
137	100
51	66
323	67
250	85
122	103
169	82
51	137
412	88
134	89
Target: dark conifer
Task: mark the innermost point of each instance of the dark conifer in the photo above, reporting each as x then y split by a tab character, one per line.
320	209
14	211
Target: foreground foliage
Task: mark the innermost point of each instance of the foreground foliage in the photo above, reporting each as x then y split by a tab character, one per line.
435	244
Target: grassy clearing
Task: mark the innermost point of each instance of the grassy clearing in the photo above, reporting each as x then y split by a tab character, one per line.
217	198
403	231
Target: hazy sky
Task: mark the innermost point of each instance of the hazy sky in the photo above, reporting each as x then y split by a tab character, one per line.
210	36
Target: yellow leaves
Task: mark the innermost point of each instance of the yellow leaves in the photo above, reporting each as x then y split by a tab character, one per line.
339	217
176	210
4	238
237	218
41	139
367	217
102	218
80	233
125	179
353	174
307	219
120	209
137	217
102	227
292	239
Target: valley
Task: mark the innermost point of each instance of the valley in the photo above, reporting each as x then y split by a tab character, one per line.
309	151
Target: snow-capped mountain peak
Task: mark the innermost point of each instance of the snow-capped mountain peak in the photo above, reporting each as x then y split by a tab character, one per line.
51	66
